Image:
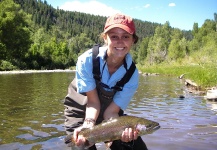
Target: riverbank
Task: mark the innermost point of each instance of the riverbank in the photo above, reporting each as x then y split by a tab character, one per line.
205	76
35	71
191	86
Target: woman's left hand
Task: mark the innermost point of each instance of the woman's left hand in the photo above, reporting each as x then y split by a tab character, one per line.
128	135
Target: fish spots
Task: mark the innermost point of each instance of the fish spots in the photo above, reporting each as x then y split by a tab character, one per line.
109	122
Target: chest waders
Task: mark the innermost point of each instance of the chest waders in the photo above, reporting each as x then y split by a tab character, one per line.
75	103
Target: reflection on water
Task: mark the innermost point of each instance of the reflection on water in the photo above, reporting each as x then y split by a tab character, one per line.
189	123
212	105
32	110
32	113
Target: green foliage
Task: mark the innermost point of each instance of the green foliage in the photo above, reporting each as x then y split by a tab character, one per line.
195	29
142	51
177	49
2	51
203	75
14	31
6	66
196	57
34	35
158	45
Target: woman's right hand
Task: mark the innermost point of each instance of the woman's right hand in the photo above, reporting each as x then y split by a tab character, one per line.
80	139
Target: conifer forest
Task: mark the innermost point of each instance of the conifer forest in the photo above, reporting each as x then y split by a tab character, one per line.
34	35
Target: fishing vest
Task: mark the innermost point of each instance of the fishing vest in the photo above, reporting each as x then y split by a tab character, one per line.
75	103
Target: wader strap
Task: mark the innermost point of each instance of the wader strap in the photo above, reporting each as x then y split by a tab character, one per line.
97	75
96	63
119	85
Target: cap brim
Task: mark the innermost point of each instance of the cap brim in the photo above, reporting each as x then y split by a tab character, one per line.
127	29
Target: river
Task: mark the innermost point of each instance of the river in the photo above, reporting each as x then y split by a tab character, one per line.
31	113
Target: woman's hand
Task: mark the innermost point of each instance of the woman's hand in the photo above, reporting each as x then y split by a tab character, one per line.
128	135
79	139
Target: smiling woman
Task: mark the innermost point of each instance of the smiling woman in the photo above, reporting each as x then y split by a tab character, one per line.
107	91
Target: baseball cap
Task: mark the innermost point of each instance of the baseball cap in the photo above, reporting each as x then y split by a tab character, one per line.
121	21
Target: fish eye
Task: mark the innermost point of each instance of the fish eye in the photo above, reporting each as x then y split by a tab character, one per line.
149	126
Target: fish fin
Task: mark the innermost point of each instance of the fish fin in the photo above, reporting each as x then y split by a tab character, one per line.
107	120
78	148
88	144
108	144
108	148
104	121
84	129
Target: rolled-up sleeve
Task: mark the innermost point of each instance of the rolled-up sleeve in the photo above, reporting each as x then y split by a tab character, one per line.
84	77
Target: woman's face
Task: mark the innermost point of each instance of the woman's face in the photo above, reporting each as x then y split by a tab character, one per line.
119	42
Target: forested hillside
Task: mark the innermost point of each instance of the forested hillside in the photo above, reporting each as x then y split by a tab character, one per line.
34	35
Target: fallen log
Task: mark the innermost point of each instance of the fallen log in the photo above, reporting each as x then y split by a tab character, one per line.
193	87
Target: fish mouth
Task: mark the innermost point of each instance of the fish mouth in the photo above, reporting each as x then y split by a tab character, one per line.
156	128
153	128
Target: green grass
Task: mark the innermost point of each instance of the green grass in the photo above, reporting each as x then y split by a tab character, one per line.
203	75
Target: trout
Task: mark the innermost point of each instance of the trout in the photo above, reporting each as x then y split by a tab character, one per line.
112	129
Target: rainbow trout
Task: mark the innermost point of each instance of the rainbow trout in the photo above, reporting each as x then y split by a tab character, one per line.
112	129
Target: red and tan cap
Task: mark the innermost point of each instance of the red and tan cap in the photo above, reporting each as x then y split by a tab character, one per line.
121	21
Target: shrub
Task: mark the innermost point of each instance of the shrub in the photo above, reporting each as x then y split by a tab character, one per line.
6	66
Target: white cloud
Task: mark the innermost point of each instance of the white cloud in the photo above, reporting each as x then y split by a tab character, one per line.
172	4
147	5
90	7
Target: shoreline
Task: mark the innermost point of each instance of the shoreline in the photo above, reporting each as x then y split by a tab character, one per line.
193	90
34	71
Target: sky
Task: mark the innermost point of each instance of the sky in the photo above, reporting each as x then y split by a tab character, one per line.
181	14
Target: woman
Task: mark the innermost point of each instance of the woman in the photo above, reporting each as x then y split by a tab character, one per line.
103	101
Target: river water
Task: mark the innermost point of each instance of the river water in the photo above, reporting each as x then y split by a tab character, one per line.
31	113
